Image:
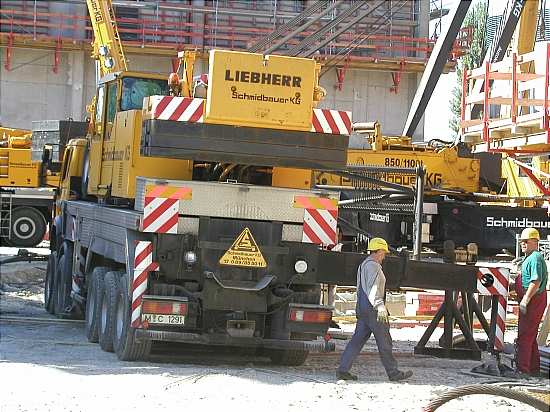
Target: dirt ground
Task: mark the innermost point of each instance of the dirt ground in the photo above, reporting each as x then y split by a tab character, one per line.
50	366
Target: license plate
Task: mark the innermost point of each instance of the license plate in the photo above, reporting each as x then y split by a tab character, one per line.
164	319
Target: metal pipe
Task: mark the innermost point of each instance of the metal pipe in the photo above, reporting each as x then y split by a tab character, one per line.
281	29
418	211
226	171
344	28
385	198
531	168
295	51
302	27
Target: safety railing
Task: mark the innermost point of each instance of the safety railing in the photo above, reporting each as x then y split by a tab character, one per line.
173	32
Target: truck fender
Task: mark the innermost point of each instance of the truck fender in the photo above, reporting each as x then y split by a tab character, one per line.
56	232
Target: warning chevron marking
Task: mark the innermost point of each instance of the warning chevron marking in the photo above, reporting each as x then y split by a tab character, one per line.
244	252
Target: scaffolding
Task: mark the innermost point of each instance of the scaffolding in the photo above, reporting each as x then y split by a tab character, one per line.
514	119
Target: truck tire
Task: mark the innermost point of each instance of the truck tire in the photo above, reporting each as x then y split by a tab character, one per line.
49	300
93	303
107	311
28	227
63	279
288	357
126	347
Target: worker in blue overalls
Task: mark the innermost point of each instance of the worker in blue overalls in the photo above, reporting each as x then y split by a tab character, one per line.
372	315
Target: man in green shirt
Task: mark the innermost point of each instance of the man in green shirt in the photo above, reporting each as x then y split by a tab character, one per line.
531	289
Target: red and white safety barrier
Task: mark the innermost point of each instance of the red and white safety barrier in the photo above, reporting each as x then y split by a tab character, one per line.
495	282
331	121
189	109
143	264
320	226
161	208
320	219
180	109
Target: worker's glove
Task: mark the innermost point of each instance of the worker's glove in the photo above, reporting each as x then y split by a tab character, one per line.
382	316
523	305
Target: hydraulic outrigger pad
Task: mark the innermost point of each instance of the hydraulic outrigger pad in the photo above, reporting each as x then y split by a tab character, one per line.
495	367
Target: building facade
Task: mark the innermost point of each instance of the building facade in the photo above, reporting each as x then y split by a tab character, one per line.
371	65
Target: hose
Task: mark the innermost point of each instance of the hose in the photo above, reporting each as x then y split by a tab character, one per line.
486	390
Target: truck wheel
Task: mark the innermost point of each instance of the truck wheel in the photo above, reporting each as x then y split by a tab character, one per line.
49	300
28	227
63	279
107	311
288	357
93	303
126	347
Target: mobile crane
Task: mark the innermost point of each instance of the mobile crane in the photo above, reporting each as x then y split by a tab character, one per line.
193	219
29	174
459	193
463	188
153	238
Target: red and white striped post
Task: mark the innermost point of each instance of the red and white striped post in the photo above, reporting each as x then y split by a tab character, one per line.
495	282
143	264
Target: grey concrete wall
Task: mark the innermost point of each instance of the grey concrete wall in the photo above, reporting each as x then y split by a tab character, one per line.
367	95
31	91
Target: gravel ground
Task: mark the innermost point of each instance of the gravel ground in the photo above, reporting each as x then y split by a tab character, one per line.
52	367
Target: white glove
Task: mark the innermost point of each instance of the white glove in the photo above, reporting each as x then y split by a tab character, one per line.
382	316
523	305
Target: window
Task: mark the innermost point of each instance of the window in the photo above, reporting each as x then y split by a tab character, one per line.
111	108
134	90
111	102
99	105
66	162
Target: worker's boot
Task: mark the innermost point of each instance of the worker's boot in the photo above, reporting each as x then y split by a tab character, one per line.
401	376
346	376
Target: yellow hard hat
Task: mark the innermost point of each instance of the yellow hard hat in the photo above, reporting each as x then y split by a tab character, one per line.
530	233
377	243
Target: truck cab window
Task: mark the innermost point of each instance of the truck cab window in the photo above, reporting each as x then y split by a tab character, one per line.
66	162
111	101
111	108
99	108
134	89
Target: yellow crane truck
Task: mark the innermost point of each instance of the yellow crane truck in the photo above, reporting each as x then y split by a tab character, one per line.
29	174
169	225
462	190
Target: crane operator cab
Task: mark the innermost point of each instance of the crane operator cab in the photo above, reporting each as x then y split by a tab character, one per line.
113	159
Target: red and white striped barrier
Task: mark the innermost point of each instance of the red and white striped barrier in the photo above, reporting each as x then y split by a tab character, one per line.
188	109
320	226
143	264
320	219
495	282
161	208
331	121
180	109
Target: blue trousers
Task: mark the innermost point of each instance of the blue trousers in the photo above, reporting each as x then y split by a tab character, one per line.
367	325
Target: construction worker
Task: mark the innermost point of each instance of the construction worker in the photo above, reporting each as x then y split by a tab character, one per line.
372	315
531	291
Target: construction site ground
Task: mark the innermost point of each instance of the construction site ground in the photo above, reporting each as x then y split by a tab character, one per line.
48	365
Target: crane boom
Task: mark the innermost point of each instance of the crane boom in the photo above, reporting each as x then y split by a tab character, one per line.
107	47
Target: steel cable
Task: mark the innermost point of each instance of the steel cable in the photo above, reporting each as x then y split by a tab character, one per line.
486	390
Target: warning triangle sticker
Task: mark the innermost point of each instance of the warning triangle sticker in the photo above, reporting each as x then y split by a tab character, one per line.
244	252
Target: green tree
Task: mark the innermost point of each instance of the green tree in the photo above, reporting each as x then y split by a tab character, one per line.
477	20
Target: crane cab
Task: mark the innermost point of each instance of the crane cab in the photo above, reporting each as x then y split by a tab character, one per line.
114	160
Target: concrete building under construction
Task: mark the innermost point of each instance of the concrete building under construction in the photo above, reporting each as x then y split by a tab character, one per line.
373	52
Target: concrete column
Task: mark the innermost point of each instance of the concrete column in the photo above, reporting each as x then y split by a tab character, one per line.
423	28
75	80
198	19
